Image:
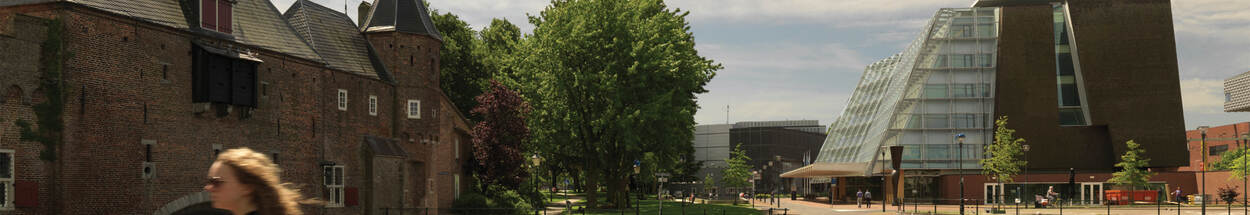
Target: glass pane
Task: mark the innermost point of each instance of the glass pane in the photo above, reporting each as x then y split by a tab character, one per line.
986	30
913	121
935	91
963	90
985	60
338	176
937	152
963	120
328	172
334	195
6	168
936	121
1071	116
988	19
911	152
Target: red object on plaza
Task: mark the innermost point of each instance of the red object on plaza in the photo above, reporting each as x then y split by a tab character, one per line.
1121	197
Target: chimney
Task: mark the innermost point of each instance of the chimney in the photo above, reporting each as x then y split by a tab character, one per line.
362	13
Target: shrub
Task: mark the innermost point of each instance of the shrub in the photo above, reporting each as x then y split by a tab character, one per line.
1228	194
471	203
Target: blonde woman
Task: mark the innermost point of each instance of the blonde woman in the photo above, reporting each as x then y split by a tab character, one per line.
243	181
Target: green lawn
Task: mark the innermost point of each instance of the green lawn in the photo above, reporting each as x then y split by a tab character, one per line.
652	207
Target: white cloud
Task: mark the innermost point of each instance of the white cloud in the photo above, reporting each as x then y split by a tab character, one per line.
840	13
784	55
1202	96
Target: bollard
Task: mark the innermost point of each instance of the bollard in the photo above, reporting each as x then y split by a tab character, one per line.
427	211
1108	208
386	211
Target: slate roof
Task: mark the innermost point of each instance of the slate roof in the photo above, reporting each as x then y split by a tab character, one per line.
333	35
384	146
256	22
409	16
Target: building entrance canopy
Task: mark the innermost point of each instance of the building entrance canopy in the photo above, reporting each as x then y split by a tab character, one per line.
829	170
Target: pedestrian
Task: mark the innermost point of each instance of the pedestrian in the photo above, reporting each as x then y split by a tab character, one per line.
243	181
868	199
1177	196
859	198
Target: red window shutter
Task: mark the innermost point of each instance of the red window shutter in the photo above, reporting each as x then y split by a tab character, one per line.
27	194
350	196
224	9
208	14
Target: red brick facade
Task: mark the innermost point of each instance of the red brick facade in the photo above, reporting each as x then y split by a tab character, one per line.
128	82
1219	138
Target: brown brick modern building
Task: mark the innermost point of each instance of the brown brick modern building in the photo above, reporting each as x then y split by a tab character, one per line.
1077	79
153	89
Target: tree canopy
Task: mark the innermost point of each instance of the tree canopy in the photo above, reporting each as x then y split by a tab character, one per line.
1004	153
613	79
498	138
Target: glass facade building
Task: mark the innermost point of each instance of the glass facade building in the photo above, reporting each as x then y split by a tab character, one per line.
939	86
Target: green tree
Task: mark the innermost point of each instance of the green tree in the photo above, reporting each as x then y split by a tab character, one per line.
461	73
738	171
1004	153
1132	164
1229	160
614	79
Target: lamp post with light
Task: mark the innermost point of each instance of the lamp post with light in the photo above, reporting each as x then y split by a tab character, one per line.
1026	172
960	137
536	161
1244	137
637	169
1203	193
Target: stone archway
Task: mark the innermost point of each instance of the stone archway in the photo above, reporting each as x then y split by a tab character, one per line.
195	203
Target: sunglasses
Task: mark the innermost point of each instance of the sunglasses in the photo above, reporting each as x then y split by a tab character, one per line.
215	181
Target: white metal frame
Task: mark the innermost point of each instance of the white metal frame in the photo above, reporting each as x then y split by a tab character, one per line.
414	109
1095	199
997	187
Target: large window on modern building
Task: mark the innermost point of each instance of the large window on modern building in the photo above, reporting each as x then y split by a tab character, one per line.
961	31
334	185
217	78
6	179
911	152
964	120
1071	109
936	121
964	90
216	15
935	91
986	30
961	61
937	152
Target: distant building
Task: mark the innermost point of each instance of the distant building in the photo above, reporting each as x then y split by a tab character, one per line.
763	141
1237	93
1077	78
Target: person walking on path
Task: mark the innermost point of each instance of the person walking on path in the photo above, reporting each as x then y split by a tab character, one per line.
1177	196
868	199
859	199
243	181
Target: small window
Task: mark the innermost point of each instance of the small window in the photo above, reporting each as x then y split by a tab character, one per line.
1217	150
273	156
342	99
414	109
6	179
373	105
217	15
334	185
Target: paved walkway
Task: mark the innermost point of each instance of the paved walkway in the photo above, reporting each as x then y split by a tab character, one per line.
806	208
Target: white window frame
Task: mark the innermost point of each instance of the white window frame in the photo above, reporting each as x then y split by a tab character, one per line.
373	105
8	182
414	112
331	186
457	184
342	99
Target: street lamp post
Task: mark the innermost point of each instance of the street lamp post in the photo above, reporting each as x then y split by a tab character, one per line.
1026	172
1203	193
536	160
960	137
1244	137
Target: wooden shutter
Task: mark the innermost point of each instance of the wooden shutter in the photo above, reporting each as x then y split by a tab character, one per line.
243	85
208	14
199	79
224	16
219	79
350	196
27	193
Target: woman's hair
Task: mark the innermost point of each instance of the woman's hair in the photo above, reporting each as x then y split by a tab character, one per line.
269	194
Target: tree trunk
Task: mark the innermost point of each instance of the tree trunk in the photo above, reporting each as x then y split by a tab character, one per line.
592	185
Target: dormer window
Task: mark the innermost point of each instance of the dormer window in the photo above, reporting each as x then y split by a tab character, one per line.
216	15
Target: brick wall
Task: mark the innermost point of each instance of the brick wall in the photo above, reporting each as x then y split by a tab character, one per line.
20	37
1217	136
130	81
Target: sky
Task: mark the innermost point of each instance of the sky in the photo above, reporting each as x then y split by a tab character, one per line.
801	59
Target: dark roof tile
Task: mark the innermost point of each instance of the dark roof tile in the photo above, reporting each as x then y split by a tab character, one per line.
409	16
333	35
